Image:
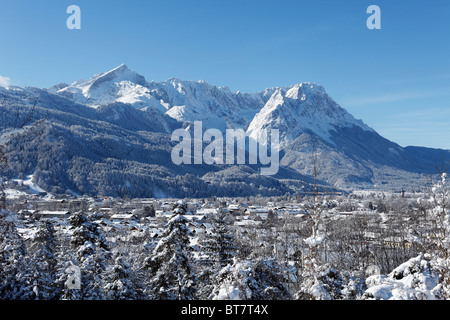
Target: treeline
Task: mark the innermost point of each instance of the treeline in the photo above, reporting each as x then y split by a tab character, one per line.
83	265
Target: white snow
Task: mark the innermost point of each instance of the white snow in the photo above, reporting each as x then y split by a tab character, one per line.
314	240
412	280
293	110
33	187
12	194
298	109
228	293
118	85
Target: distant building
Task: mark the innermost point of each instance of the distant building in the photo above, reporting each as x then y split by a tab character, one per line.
207	211
198	218
234	209
256	211
51	214
124	216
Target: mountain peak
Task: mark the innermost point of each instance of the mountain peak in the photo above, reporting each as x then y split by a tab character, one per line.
296	109
118	74
120	84
302	108
123	66
298	91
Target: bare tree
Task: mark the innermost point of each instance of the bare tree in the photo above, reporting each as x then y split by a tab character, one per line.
316	202
438	215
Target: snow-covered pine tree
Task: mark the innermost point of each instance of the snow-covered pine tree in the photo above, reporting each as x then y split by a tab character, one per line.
327	283
170	267
251	280
218	248
13	259
123	283
416	279
92	252
85	230
270	277
41	273
219	244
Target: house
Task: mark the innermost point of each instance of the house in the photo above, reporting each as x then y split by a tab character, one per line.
207	211
199	218
396	242
163	216
163	213
234	209
124	217
292	211
247	223
26	213
251	211
167	206
46	214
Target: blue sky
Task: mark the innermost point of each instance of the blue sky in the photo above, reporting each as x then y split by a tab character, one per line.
397	79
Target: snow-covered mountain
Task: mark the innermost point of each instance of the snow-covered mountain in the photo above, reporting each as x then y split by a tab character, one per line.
111	135
307	118
118	85
299	109
182	100
217	107
293	110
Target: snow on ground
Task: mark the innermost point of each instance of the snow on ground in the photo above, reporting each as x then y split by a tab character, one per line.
33	187
12	194
412	280
228	293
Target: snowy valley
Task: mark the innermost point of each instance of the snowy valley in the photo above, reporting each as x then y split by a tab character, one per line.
365	245
111	136
93	208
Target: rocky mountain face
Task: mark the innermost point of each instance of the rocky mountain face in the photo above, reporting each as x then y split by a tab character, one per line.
111	135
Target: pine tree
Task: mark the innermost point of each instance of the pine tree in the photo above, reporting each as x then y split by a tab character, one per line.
13	259
85	232
123	283
251	280
327	283
149	211
170	266
41	273
220	245
92	253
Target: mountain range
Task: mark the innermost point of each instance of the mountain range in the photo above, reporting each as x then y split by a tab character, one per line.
110	135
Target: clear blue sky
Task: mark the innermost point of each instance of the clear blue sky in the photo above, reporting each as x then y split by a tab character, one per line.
396	79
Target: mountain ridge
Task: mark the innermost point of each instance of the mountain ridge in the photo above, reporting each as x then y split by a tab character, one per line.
119	109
